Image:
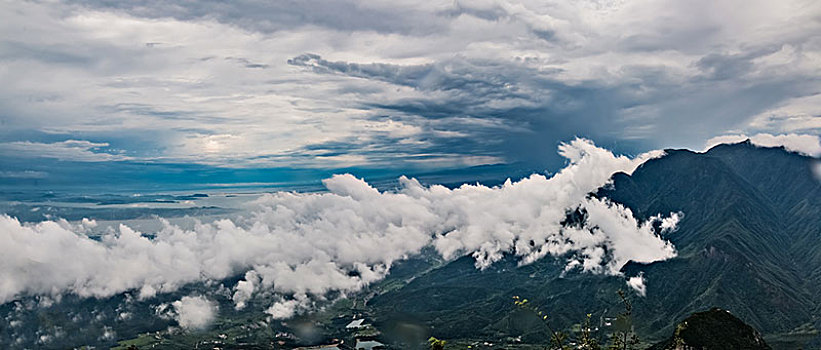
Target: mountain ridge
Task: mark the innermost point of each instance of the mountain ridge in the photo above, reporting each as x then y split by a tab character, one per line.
743	228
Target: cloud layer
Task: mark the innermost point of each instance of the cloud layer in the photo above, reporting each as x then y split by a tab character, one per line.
300	246
396	83
194	312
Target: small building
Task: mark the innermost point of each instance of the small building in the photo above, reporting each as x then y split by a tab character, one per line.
369	345
356	324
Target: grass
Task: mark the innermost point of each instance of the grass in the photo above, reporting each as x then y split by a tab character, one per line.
143	341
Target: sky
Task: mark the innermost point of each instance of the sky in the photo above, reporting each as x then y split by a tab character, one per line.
254	91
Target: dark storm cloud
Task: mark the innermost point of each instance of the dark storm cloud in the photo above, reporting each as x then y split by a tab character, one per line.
544	108
726	92
722	66
392	73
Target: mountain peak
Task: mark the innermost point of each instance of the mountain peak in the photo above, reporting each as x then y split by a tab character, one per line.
713	329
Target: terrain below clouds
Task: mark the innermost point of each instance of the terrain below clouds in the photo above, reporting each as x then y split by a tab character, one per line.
287	253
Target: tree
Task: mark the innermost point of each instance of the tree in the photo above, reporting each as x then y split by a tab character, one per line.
436	344
586	340
557	339
624	338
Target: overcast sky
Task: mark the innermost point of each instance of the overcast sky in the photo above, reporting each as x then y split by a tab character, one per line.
398	84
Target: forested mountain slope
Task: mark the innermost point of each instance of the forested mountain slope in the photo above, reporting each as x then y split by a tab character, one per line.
749	242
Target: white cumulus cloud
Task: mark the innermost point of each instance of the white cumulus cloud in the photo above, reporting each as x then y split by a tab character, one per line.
194	312
300	246
637	283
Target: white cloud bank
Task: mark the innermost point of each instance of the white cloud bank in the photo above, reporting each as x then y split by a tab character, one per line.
637	283
801	143
301	246
194	312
